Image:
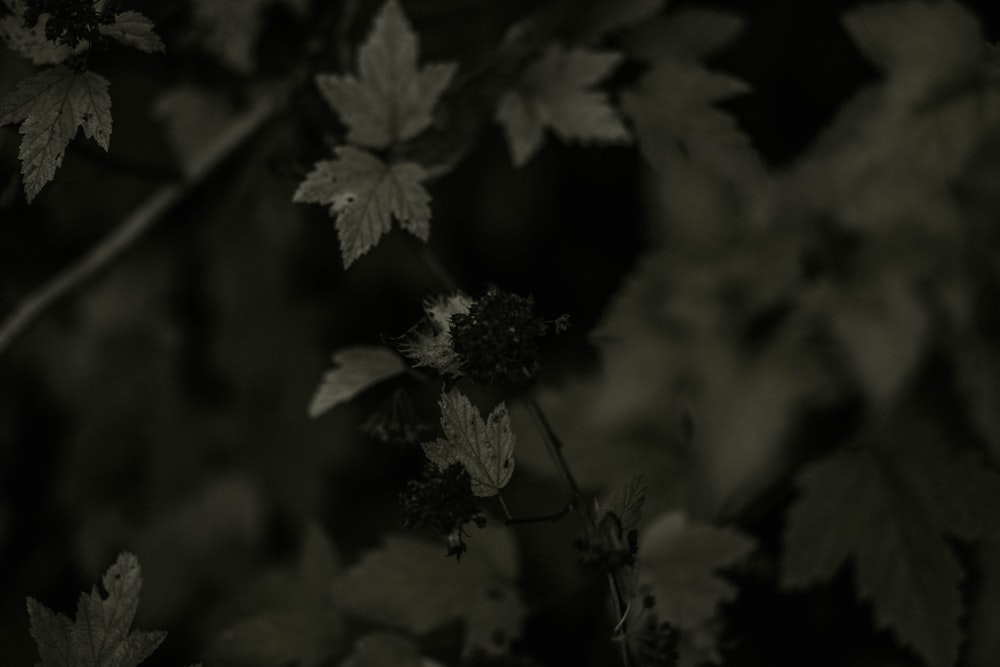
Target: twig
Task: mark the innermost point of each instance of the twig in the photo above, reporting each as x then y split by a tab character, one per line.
138	222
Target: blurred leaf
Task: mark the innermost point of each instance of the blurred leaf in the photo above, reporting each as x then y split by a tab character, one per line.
50	107
408	584
387	649
135	30
355	369
888	513
608	16
672	109
364	195
555	92
229	28
682	558
100	636
391	100
485	449
919	44
687	34
294	620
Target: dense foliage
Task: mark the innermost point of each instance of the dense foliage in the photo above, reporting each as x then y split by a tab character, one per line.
477	332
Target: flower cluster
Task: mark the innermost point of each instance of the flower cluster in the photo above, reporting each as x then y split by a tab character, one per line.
497	338
442	501
396	422
69	21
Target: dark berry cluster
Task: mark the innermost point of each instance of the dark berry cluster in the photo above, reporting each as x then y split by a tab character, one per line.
652	642
497	339
69	21
606	547
442	501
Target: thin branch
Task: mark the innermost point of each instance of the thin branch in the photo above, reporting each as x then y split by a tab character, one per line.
137	223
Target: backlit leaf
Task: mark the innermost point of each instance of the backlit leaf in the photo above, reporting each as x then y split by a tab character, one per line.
391	99
364	195
135	30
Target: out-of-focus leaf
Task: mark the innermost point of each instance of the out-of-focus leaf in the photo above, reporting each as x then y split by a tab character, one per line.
888	513
387	649
355	369
391	99
604	17
556	92
688	34
193	117
229	28
408	585
683	558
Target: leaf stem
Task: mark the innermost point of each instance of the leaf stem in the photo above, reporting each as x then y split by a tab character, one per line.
136	224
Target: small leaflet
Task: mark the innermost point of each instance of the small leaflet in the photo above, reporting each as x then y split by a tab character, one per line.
391	99
364	195
485	449
628	501
50	107
555	92
135	30
355	370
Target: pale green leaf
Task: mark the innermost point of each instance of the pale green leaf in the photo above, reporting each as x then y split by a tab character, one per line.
364	195
355	369
408	585
485	449
391	99
683	558
555	92
887	512
135	30
51	106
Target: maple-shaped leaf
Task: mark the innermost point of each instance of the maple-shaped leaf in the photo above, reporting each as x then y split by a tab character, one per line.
391	99
135	30
101	634
888	512
355	369
408	586
484	448
682	558
292	618
50	107
556	92
674	117
364	195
